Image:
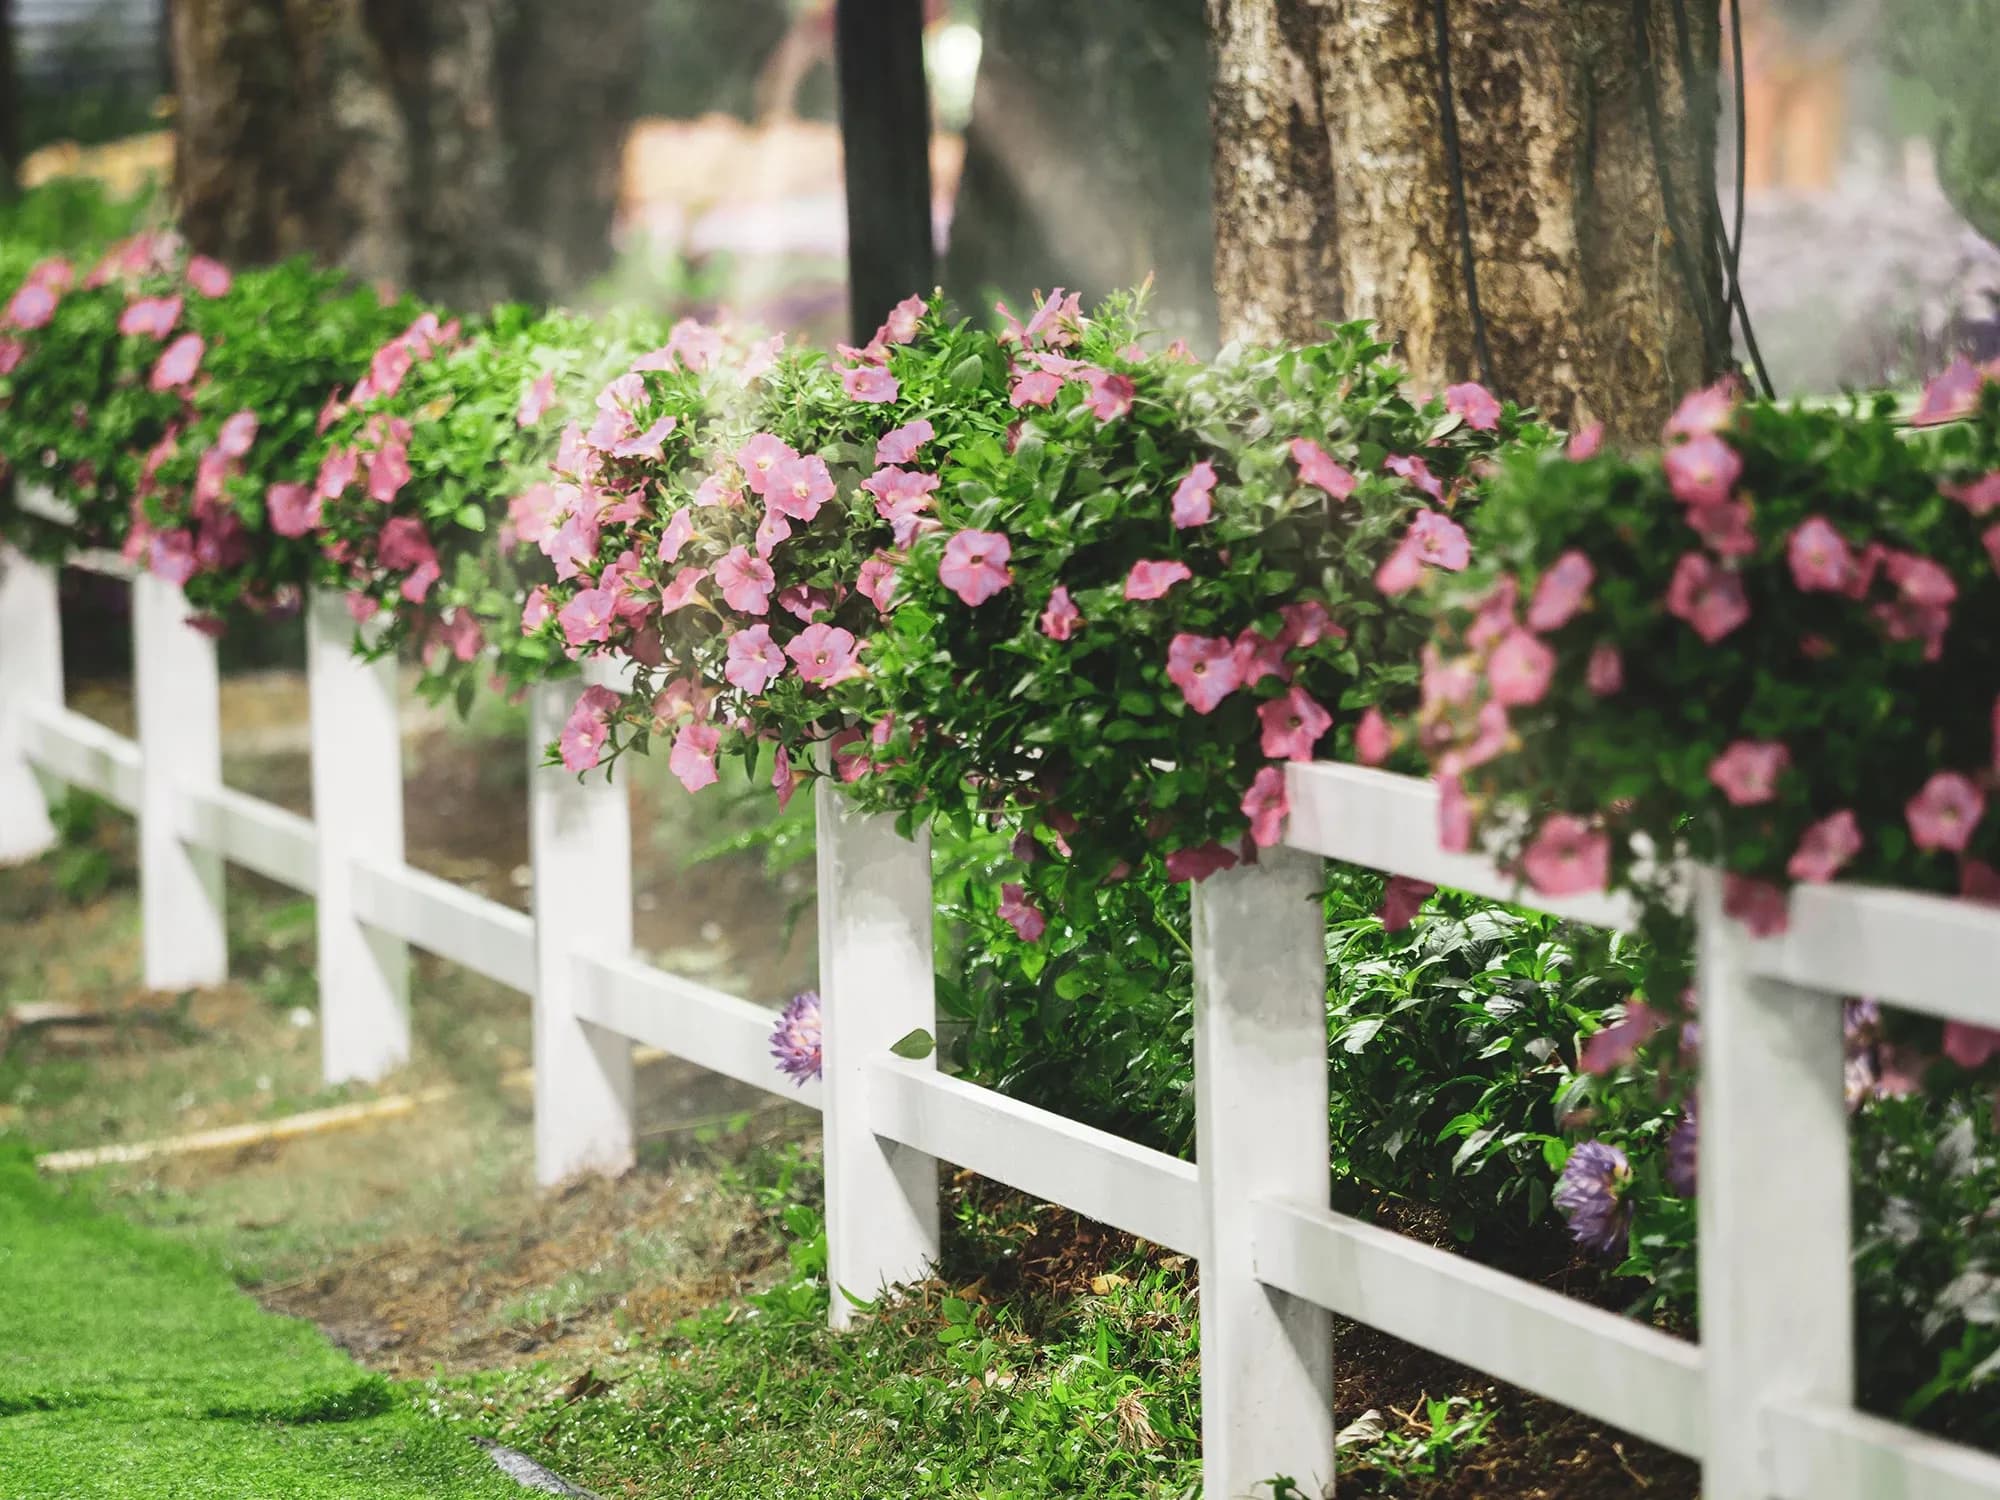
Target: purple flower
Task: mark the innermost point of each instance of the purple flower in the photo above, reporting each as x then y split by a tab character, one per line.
1589	1196
795	1039
1684	1152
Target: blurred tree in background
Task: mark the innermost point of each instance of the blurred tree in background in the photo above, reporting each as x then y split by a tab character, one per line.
1586	155
465	149
1087	159
1952	47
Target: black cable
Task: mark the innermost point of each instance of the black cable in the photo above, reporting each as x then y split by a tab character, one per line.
1742	166
1454	162
1730	249
1714	342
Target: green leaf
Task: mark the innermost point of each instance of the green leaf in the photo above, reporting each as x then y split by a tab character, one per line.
916	1046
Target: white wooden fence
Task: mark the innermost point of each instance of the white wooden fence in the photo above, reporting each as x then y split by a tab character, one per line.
1765	1402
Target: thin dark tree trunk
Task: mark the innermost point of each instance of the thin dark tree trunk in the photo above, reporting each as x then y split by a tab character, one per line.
1587	167
885	127
1086	162
10	105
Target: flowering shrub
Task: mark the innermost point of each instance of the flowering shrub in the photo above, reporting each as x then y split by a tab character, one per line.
432	487
1042	569
1771	646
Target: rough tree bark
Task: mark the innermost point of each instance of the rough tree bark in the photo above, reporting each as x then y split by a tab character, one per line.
1084	165
464	149
1602	293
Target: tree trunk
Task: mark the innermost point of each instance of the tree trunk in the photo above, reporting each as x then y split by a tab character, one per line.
1085	166
1601	293
457	148
10	105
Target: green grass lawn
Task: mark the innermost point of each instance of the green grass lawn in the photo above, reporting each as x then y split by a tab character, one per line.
130	1367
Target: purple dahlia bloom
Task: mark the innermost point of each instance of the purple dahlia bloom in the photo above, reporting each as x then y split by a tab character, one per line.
795	1039
1591	1197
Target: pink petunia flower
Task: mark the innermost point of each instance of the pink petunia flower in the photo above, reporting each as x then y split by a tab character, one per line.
1585	443
1475	403
648	444
1703	470
901	444
1373	738
755	661
798	487
1439	541
1402	899
693	757
1705	412
783	782
1265	805
679	531
1944	813
1258	657
536	610
1401	571
1034	388
1747	771
536	401
292	508
1454	827
974	566
759	456
1725	527
209	277
1317	468
1709	598
1825	847
177	365
1417	472
1199	862
877	582
870	384
746	581
1060	619
31	307
903	321
1969	1045
1920	580
388	472
588	617
237	434
772	530
1981	497
1567	857
825	654
1617	1044
901	497
1204	668
12	352
150	317
1561	592
1306	624
1111	395
583	736
1021	914
1605	673
1759	905
1820	558
1519	669
1193	504
1152	579
1292	724
1951	395
682	591
403	543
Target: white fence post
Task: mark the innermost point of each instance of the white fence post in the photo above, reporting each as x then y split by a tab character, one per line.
357	794
1260	1132
179	700
1777	1319
877	985
31	675
580	841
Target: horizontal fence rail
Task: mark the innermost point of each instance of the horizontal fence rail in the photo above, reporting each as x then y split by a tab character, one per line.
1765	1401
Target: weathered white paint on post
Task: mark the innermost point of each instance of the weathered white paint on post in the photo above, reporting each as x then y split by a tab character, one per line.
31	676
177	693
357	786
876	986
1260	1133
580	838
1776	1297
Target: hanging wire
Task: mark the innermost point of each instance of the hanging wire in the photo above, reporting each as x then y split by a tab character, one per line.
1454	161
1731	249
1714	340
